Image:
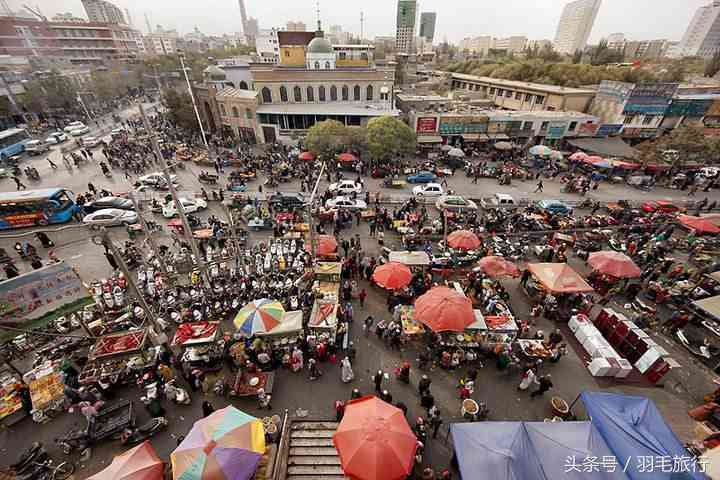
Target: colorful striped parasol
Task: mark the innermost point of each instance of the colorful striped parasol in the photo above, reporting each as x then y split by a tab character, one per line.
259	316
227	445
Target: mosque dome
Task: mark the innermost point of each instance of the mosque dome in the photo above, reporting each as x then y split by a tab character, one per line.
319	45
213	72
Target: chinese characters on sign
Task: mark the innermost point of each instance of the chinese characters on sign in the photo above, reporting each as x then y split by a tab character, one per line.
460	125
556	130
641	464
427	125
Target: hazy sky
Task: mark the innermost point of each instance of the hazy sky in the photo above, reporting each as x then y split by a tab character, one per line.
638	19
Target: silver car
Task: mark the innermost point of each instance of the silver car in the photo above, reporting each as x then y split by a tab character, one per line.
109	217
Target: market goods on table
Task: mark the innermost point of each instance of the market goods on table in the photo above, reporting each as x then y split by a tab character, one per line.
119	343
195	333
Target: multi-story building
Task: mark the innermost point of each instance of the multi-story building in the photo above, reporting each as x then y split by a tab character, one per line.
427	26
702	37
576	23
525	96
251	30
296	26
405	31
67	17
636	50
616	41
477	45
161	43
267	46
514	44
102	11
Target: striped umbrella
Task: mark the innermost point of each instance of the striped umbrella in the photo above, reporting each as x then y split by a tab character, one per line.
227	445
540	150
259	316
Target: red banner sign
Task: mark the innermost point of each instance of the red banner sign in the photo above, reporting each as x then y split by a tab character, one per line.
427	125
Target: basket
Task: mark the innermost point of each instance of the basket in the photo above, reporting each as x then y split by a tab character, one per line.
469	408
560	407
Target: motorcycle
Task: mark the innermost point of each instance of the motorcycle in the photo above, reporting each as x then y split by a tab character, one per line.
205	177
36	464
143	432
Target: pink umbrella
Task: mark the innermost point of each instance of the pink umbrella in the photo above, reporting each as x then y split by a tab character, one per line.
578	156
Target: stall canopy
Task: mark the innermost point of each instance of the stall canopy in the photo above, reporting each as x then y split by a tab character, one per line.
139	463
529	450
412	259
559	278
699	224
291	322
634	428
607	147
711	306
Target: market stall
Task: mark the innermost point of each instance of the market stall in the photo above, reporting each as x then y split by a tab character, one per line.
494	330
46	390
284	336
561	281
411	259
405	315
323	319
249	384
11	410
113	356
201	349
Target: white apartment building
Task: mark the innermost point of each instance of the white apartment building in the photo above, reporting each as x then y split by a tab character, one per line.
160	43
102	11
515	44
296	26
407	20
616	41
702	37
267	46
576	23
477	45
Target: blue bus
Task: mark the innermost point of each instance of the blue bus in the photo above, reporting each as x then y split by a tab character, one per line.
12	142
29	208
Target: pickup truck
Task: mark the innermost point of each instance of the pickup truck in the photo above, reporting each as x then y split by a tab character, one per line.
499	200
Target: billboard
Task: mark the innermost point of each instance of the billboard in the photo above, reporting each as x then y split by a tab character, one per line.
587	129
607	129
34	294
426	125
688	108
650	98
616	91
556	130
458	125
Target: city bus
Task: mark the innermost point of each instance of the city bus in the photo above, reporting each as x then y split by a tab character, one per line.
12	142
29	208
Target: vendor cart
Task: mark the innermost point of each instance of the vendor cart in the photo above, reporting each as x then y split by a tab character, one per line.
201	348
405	314
111	421
328	271
532	350
114	356
236	186
249	384
46	391
323	318
493	330
394	183
11	410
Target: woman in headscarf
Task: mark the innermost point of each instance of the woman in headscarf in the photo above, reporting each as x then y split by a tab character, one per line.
346	374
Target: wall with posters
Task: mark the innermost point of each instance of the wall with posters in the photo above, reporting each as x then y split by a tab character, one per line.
556	130
650	98
426	125
459	125
36	293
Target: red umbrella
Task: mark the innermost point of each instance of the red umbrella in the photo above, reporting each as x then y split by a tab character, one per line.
326	245
444	310
699	224
374	441
392	276
498	267
463	239
307	156
347	157
615	264
578	156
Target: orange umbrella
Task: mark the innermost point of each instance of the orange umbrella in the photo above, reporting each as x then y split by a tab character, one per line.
615	264
444	310
307	156
498	267
326	245
463	239
347	157
392	276
699	224
374	441
139	463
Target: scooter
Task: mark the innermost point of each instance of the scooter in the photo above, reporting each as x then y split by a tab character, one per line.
176	394
143	432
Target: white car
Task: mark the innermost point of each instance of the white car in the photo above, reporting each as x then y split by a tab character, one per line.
156	179
345	187
91	142
36	147
455	203
429	190
76	132
56	137
111	216
73	126
189	205
346	203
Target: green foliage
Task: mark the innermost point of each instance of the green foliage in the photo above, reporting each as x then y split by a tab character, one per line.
602	54
326	139
51	92
577	57
180	110
690	141
389	137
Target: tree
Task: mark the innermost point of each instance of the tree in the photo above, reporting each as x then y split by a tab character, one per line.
48	93
180	110
712	67
356	139
327	139
389	137
577	57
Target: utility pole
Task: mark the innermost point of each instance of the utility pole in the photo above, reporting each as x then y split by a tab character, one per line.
150	239
311	220
159	86
82	103
149	313
194	103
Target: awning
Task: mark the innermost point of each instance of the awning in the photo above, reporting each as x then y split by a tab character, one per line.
559	278
429	139
410	258
474	137
711	306
498	136
291	322
607	147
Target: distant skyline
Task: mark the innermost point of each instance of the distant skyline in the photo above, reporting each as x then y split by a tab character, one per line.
537	19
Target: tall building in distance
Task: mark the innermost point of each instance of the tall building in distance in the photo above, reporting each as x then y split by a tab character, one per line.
103	12
702	37
296	26
407	13
575	25
427	26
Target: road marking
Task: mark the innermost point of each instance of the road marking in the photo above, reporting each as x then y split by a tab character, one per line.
75	257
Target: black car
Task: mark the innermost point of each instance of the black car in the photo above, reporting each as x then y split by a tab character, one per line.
287	200
109	202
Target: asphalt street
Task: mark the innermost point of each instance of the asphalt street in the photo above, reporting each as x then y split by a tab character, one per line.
295	391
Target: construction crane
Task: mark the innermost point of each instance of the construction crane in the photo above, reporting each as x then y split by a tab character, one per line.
35	11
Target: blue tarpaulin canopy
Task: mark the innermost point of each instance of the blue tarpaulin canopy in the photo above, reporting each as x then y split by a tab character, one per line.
636	432
532	450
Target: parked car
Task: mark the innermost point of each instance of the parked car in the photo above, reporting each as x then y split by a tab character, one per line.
91	142
156	179
79	131
455	203
117	132
429	190
36	147
111	216
55	138
422	177
189	205
346	203
73	126
659	206
345	187
287	200
499	200
555	207
115	203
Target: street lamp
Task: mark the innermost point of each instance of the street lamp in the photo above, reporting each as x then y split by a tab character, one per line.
181	55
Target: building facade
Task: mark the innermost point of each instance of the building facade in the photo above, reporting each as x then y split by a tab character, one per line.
407	12
576	23
525	96
296	26
267	46
427	26
102	11
702	37
515	44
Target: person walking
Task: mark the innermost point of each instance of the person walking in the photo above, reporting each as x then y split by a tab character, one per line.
346	372
424	385
539	187
435	422
52	164
367	325
18	183
207	409
545	384
377	380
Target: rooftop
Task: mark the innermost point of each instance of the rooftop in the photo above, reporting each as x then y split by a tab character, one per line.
407	97
525	85
363	110
230	92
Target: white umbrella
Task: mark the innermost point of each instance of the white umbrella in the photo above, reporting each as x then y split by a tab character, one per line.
446	148
555	155
503	146
456	152
540	150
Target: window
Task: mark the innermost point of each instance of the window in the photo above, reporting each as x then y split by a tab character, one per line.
345	93
573	126
509	94
356	93
528	97
222	109
287	53
539	99
333	93
310	94
327	65
629	119
248	114
297	93
492	91
266	95
647	119
369	93
500	92
321	93
317	65
527	125
544	125
283	94
518	96
235	112
343	56
243	85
